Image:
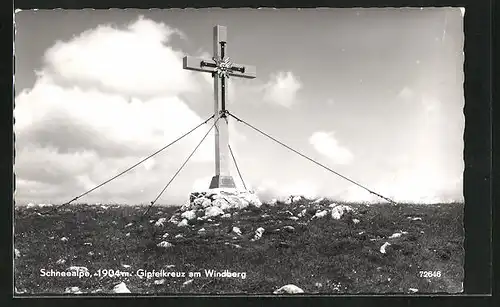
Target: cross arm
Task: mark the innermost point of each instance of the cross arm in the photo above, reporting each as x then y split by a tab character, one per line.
243	71
197	64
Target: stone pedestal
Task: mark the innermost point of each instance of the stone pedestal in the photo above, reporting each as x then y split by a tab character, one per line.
222	182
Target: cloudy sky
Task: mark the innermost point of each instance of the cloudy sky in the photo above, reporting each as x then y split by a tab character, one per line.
375	94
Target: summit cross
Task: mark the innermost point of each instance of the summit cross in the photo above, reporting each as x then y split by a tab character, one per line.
221	68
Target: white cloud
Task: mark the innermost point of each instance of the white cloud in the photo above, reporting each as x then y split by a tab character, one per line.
131	61
430	103
282	89
327	145
406	93
72	119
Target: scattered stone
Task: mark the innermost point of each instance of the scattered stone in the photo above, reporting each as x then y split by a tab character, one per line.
160	222
258	233
64	239
232	244
320	214
289	228
129	224
398	234
174	219
127	234
187	282
288	212
121	288
87	243
415	218
336	286
189	215
183	223
317	201
51	237
179	236
164	244
413	290
318	285
221	203
355	221
206	203
169	266
339	211
226	216
61	261
91	253
289	289
151	221
126	266
73	290
383	247
199	201
213	211
265	215
164	235
361	232
302	213
293	218
237	231
159	282
202	230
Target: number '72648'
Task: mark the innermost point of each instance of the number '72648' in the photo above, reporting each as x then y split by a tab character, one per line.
429	274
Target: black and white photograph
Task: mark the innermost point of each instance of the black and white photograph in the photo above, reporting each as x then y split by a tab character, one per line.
239	151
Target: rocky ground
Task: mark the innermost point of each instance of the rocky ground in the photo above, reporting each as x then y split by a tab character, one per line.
296	246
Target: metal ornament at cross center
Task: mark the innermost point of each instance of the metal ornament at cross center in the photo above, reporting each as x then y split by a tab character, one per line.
221	69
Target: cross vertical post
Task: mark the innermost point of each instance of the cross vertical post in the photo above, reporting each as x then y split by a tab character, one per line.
222	178
221	69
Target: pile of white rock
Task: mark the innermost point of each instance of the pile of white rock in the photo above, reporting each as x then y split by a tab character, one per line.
214	203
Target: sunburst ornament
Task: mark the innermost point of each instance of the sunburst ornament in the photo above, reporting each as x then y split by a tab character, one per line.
222	66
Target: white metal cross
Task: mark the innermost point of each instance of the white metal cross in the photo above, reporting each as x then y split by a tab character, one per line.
221	68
